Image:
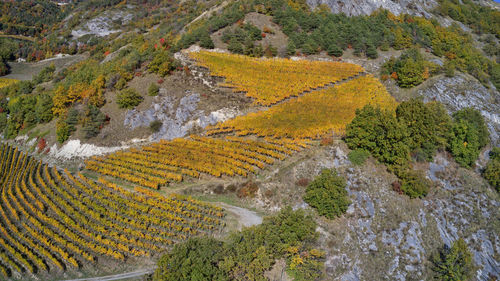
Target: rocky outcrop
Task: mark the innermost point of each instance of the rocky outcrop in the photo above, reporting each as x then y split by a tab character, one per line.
177	116
388	236
366	7
463	91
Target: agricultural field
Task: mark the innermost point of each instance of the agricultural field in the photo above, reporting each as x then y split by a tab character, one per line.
269	81
52	220
4	82
172	161
314	114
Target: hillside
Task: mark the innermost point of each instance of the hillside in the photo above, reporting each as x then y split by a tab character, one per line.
250	140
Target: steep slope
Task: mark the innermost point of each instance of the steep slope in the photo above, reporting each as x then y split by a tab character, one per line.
366	7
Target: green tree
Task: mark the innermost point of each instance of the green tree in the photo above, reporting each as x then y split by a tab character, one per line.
194	260
128	99
476	120
291	49
371	52
410	74
464	143
492	171
43	108
205	40
62	131
334	50
449	68
455	263
380	133
428	125
235	46
327	194
163	63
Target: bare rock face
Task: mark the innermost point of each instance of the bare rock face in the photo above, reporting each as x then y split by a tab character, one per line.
366	7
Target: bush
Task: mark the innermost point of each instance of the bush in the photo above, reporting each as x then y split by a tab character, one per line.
327	194
195	259
414	184
358	156
162	64
411	68
476	120
455	263
492	171
93	121
155	126
62	131
153	89
129	99
464	143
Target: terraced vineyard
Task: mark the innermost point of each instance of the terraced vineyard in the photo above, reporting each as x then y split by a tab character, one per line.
314	114
171	161
269	81
282	129
52	221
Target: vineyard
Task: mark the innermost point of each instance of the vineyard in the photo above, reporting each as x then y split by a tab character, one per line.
4	82
52	221
171	161
314	114
269	81
277	131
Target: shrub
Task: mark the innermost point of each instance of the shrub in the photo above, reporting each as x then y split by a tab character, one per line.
414	184
411	68
358	156
327	194
476	120
153	89
205	40
93	121
455	263
163	63
464	143
195	259
155	126
492	171
129	99
62	131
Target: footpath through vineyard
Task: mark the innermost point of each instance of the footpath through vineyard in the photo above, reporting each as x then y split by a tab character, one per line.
52	221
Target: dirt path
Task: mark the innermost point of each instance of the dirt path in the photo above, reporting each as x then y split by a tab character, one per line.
244	216
320	88
120	276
